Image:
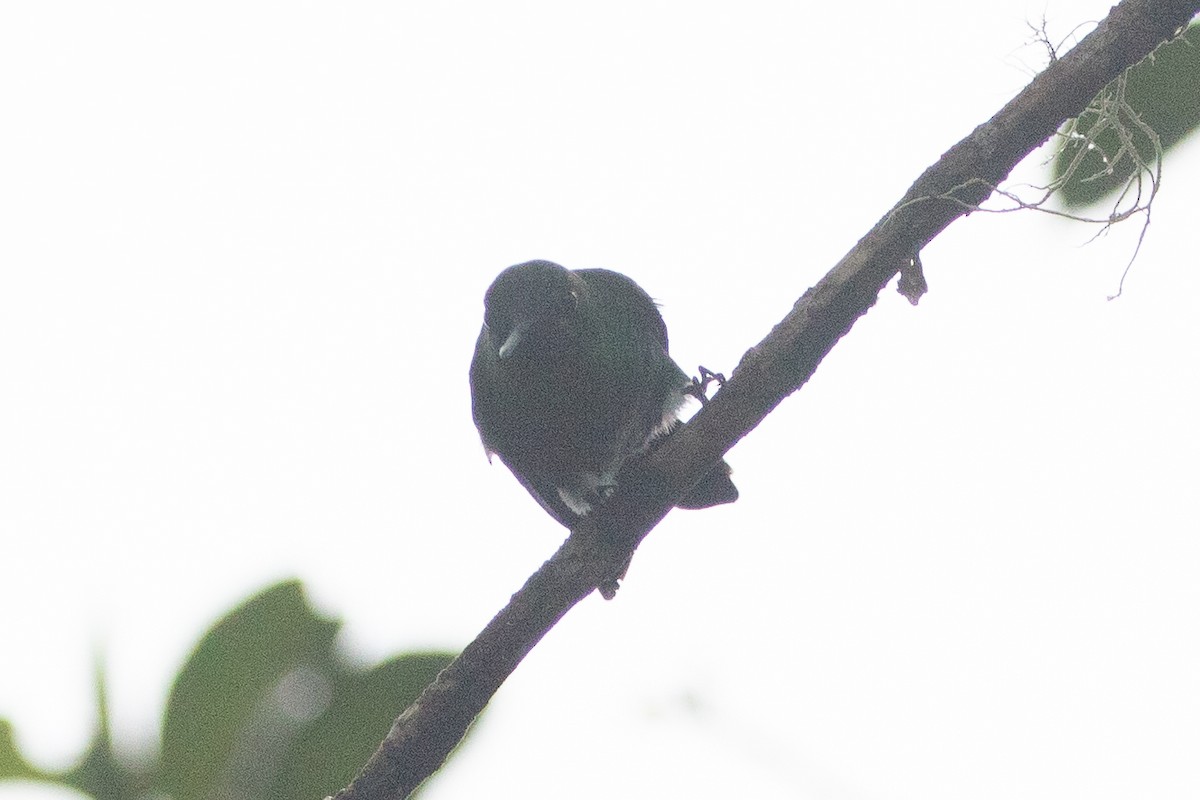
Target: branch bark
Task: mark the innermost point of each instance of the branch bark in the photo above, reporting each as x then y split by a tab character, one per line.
595	554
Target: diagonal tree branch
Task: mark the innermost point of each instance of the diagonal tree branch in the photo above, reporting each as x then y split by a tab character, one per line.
595	554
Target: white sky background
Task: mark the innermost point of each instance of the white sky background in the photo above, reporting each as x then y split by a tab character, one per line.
242	260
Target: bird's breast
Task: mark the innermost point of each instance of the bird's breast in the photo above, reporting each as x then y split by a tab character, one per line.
566	419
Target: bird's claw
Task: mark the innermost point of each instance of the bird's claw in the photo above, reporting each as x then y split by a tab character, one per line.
699	386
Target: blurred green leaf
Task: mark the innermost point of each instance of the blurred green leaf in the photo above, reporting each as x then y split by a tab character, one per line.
362	705
12	763
222	687
103	775
265	708
100	773
1164	92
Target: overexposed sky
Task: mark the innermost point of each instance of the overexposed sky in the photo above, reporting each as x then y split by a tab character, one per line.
243	250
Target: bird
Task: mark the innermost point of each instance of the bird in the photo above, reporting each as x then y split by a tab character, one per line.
570	379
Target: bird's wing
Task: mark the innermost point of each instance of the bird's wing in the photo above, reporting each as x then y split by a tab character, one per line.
484	397
639	312
546	494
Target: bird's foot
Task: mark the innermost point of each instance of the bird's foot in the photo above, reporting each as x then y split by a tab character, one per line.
699	386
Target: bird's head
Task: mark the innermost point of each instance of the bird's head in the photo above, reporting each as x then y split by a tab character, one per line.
532	309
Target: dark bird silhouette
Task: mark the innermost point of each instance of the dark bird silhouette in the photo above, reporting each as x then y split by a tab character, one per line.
571	378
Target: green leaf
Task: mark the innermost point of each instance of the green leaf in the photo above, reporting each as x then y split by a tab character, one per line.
264	708
100	773
362	705
222	697
1163	91
12	764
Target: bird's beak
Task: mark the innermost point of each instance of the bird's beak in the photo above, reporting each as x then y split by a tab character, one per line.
513	340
